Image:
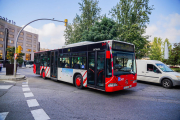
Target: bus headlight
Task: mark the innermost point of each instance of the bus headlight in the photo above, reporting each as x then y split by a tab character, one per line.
112	85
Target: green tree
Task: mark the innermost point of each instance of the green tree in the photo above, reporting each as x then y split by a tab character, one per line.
155	51
132	16
10	55
90	13
101	30
174	58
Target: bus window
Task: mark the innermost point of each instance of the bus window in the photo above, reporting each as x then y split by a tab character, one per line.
45	59
60	61
109	68
42	59
66	62
48	58
78	62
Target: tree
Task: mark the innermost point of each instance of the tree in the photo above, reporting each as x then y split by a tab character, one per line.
101	30
174	58
155	51
90	13
10	55
132	16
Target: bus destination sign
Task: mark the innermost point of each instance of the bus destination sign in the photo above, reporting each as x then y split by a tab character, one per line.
123	46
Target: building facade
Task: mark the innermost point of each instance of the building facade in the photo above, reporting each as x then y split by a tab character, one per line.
27	40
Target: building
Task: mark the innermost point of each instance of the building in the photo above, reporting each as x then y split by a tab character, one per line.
27	40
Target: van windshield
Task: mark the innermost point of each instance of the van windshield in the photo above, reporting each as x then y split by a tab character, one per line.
124	63
164	68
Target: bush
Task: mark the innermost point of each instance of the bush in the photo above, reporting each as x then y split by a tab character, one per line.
176	69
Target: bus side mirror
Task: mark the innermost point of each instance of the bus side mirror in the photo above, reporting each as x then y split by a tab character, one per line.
107	54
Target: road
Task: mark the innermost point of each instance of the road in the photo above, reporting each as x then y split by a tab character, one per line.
62	101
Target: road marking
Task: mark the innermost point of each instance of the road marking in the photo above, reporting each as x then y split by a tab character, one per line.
5	86
25	89
24	85
40	114
3	115
32	103
30	94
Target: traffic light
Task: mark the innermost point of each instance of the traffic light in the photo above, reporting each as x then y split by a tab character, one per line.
65	21
19	49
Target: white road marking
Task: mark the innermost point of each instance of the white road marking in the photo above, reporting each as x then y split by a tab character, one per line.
5	86
32	103
30	94
40	114
24	85
3	115
25	89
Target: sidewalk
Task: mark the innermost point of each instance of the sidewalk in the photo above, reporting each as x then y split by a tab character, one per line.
3	75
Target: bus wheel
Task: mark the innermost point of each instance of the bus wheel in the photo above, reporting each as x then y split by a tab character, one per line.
43	75
79	81
166	83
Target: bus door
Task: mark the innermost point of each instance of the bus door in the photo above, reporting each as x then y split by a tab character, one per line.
96	70
38	63
53	64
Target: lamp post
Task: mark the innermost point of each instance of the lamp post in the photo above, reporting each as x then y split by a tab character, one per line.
23	28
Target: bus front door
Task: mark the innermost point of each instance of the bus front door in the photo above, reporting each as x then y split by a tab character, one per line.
53	64
96	70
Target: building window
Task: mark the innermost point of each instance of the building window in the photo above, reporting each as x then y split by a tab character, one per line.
1	26
11	30
29	35
11	41
19	43
11	36
28	50
34	50
1	45
28	56
28	45
28	40
20	38
35	37
21	33
34	46
1	54
34	41
1	39
1	33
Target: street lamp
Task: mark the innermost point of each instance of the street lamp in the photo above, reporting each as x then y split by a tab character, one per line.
65	21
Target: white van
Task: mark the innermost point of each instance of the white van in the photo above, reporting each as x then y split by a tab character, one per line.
157	72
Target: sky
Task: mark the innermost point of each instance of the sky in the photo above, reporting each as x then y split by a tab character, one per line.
164	20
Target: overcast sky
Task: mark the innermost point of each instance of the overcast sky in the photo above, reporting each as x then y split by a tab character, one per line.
164	20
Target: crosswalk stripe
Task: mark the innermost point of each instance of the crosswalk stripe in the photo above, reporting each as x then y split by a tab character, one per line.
40	114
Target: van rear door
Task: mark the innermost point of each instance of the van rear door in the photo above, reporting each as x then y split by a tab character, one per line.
141	70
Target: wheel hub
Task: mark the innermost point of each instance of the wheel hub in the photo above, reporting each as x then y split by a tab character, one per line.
78	81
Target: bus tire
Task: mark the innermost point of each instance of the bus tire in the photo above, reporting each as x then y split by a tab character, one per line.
166	83
79	81
43	74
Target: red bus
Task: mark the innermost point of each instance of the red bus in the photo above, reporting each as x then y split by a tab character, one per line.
106	65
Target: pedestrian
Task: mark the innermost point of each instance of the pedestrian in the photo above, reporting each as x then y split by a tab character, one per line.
1	65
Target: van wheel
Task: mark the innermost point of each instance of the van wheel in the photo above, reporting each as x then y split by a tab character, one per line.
166	83
43	74
79	81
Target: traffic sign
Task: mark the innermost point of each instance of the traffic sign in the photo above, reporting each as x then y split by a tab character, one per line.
15	55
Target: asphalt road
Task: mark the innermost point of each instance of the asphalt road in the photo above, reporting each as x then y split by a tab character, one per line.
62	101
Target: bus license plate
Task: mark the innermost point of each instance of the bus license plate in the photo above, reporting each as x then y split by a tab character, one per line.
126	87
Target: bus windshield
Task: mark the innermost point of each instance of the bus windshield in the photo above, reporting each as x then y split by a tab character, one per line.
164	68
124	63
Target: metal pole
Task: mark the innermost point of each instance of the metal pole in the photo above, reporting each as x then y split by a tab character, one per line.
19	34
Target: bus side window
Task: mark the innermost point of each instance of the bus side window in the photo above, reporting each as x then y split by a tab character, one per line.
48	59
60	62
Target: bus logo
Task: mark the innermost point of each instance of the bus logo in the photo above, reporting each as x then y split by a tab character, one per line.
103	44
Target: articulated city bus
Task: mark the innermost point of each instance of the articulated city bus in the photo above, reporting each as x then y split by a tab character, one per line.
107	65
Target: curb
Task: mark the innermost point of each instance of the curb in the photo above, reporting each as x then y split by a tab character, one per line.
11	77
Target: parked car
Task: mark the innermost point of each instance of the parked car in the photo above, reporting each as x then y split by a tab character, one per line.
157	72
29	65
